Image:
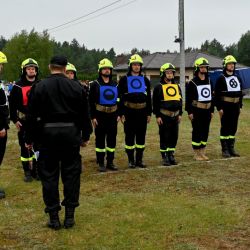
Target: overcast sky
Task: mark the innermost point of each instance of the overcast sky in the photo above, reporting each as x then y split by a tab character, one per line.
147	24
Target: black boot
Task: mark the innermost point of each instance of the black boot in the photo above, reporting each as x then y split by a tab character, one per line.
111	166
224	147
102	167
2	193
139	155
171	158
231	149
27	176
69	220
34	171
27	171
100	160
165	160
54	221
110	158
131	158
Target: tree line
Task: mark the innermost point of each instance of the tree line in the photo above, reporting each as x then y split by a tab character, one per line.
41	47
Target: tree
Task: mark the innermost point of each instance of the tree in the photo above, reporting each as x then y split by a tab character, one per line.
24	45
3	42
244	49
213	48
232	49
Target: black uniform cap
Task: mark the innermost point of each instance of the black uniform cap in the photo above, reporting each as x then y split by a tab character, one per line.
59	60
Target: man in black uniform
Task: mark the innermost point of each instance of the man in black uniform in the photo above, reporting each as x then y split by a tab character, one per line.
228	100
4	114
103	99
60	105
18	112
167	107
136	110
200	107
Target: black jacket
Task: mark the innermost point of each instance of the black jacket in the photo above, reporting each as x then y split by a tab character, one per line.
192	94
160	103
222	90
94	96
4	110
19	98
134	97
59	99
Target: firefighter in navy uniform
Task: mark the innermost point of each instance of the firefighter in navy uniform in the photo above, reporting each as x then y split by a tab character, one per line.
199	107
4	114
103	99
135	110
60	105
228	101
18	112
167	107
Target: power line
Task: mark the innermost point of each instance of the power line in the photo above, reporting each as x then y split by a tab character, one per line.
92	12
119	7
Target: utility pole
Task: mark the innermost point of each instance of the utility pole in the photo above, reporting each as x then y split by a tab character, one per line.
182	44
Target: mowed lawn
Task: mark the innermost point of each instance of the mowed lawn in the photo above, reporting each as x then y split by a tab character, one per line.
191	206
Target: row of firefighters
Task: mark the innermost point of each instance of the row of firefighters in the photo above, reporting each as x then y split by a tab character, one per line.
130	102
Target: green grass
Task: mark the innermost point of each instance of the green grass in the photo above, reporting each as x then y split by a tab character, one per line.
191	206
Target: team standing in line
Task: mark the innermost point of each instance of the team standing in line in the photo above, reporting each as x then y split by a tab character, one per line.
53	119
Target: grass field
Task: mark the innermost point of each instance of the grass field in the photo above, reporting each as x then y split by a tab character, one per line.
191	206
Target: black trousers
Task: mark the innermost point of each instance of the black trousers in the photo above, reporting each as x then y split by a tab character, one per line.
26	155
168	132
59	154
3	142
200	123
105	133
135	127
229	120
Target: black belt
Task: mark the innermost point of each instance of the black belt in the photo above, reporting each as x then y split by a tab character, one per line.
59	124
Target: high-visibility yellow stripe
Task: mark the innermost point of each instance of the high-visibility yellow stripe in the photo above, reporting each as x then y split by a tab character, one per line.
163	150
139	146
110	149
203	142
196	143
118	99
100	150
224	137
26	159
170	149
227	137
129	147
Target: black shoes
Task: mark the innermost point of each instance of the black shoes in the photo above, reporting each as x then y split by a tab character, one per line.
2	193
69	220
102	167
168	159
54	221
27	176
171	158
140	164
131	164
111	166
166	162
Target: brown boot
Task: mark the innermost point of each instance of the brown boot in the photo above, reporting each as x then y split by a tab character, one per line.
197	155
203	154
